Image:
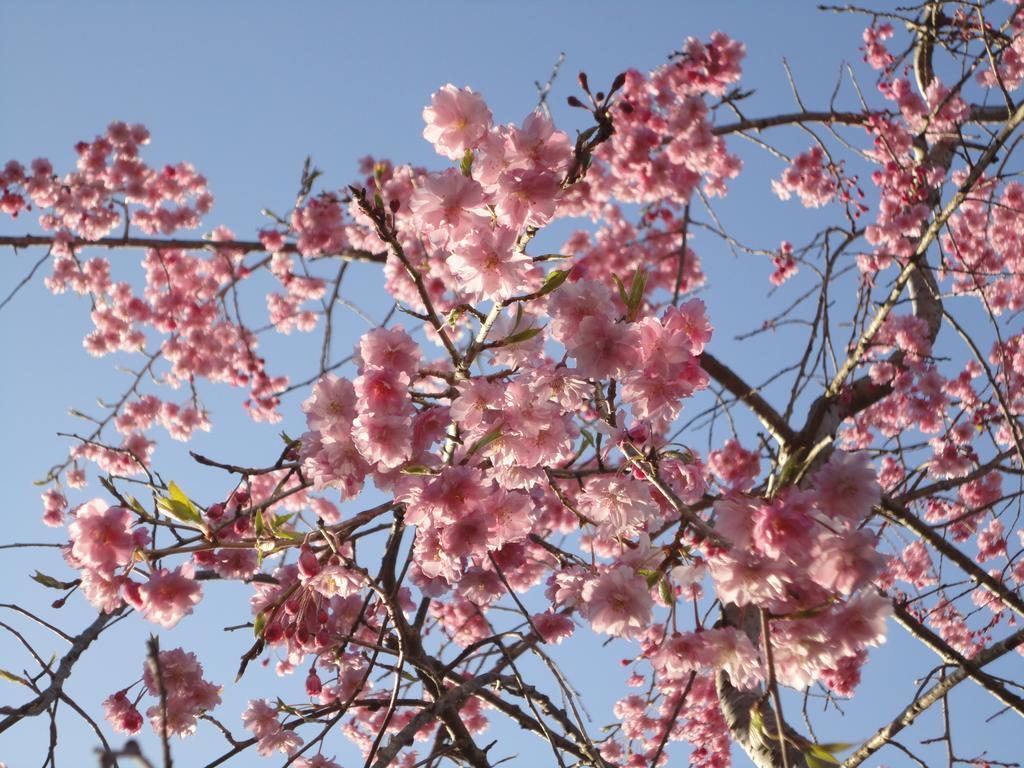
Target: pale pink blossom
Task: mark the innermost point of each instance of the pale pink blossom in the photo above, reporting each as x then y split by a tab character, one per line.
489	264
618	602
448	206
101	536
456	119
186	693
121	713
846	487
168	596
845	562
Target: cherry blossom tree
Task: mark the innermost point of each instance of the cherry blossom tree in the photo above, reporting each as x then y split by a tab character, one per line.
559	448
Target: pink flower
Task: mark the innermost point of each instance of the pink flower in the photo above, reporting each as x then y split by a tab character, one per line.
783	528
860	622
261	719
384	439
450	495
390	348
513	515
914	565
846	487
603	348
621	505
122	714
808	178
747	580
537	145
54	504
468	535
168	596
102	589
457	120
690	319
846	562
188	695
736	466
552	627
382	390
489	265
331	405
317	761
475	398
448	206
618	602
101	536
526	197
730	650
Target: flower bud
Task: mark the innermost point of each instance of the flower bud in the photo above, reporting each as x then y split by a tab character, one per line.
313	684
309	566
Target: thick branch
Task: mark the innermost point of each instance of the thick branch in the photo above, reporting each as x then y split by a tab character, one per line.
245	246
41	702
977	114
769	417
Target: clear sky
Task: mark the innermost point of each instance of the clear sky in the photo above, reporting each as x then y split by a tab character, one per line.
244	91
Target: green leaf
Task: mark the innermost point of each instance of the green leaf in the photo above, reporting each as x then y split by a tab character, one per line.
177	510
822	754
484	441
814	762
636	292
519	318
259	624
517	338
466	165
179	505
836	746
668	594
651	576
13	678
135	504
588	437
52	583
622	290
554	279
278	520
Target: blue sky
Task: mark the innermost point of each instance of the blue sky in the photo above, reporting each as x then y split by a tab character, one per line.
245	91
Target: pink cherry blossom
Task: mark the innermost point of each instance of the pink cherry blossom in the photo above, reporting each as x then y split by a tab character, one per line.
617	602
456	119
168	596
101	536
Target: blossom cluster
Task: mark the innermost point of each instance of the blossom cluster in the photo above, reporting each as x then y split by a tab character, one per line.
526	447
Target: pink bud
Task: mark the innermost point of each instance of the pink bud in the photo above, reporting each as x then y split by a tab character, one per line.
309	566
313	684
